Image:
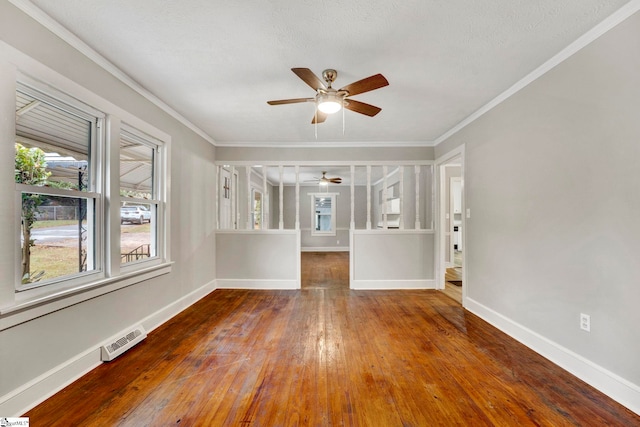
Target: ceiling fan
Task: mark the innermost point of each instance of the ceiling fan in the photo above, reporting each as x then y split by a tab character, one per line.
323	180
329	100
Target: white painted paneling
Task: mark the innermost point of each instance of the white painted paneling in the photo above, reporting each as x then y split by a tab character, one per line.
268	255
394	259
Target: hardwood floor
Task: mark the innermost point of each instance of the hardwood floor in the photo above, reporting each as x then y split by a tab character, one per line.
453	275
325	270
320	357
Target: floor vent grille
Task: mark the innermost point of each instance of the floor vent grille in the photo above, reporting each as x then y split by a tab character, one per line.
122	343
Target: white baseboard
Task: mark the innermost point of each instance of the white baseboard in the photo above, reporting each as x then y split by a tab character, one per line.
325	249
159	317
22	399
392	284
614	386
257	284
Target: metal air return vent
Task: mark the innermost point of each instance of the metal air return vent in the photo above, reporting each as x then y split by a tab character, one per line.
122	343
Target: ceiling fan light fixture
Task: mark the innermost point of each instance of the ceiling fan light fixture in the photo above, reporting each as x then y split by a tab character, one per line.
329	103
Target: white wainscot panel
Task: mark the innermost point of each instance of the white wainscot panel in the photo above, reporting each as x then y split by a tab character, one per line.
258	259
392	259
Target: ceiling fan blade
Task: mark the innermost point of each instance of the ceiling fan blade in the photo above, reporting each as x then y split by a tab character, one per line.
335	180
290	101
309	78
361	107
366	84
319	117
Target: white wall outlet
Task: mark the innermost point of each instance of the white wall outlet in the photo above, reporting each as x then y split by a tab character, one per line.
337	242
468	213
585	322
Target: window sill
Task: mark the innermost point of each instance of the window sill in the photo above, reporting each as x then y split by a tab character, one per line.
29	307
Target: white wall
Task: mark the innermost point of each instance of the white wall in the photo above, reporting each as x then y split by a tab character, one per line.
41	354
268	259
551	178
392	259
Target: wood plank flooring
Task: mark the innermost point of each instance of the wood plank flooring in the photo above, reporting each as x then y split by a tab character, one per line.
323	357
325	270
451	276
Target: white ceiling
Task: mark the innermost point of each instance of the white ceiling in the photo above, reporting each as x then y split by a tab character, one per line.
218	62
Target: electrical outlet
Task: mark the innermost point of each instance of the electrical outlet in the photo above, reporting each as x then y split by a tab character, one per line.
585	322
338	242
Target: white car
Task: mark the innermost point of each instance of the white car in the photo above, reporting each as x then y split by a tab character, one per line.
138	214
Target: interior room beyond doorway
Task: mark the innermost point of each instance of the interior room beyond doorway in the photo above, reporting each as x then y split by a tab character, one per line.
325	270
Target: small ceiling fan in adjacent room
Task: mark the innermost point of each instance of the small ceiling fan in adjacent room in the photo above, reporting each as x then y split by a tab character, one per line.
329	100
323	180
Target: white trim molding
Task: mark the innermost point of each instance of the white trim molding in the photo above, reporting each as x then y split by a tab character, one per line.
325	249
264	284
49	23
587	38
614	386
36	391
392	284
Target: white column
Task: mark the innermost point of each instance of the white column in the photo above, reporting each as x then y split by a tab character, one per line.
401	190
368	197
265	197
385	196
217	196
417	174
281	222
297	197
232	194
249	198
352	224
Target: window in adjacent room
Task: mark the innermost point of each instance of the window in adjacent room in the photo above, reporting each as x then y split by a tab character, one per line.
323	214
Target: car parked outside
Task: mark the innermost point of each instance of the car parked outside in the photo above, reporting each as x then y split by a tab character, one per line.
138	214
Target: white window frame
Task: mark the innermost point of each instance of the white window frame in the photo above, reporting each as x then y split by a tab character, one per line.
334	199
17	307
155	203
95	193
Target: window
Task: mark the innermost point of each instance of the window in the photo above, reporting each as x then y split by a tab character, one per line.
138	196
56	176
323	214
61	159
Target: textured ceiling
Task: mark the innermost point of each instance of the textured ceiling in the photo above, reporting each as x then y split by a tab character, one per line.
218	62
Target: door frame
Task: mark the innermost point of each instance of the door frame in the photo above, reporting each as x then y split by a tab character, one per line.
441	229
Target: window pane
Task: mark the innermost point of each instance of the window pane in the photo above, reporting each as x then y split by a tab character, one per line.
323	213
137	232
138	220
136	167
63	138
56	237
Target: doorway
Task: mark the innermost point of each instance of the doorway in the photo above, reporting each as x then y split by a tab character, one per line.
325	270
227	199
452	232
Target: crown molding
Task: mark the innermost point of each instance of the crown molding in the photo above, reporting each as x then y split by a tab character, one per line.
325	144
587	38
56	28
